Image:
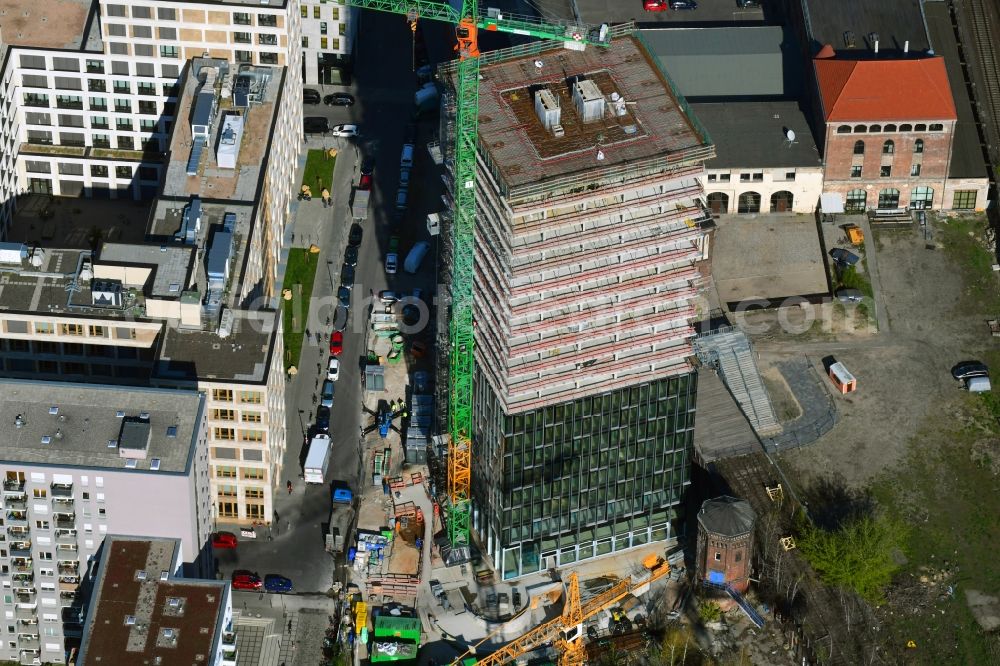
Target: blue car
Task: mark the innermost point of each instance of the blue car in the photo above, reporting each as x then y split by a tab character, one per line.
276	583
342	496
326	397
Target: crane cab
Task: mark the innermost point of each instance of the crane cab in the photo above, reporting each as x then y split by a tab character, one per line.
467	34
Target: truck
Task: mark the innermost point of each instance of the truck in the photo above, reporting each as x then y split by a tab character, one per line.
426	98
341	517
317	459
359	204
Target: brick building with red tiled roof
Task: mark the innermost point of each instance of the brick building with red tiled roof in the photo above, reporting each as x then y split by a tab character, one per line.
888	134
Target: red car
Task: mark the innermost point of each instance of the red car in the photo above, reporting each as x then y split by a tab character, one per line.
246	580
655	5
224	540
336	343
366	182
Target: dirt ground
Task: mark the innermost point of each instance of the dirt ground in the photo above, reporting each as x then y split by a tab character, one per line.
786	407
903	373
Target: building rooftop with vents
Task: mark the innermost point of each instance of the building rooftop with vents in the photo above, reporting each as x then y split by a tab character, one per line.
243	355
853	26
754	134
650	123
56	24
140	613
99	426
212	90
883	89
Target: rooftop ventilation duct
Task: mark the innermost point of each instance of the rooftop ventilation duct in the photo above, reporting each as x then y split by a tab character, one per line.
588	100
547	108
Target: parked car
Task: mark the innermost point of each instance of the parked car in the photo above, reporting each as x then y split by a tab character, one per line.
351	255
355	235
401	197
683	4
344	130
411	314
844	257
340	318
393	243
347	276
367	166
246	580
849	295
310	96
336	343
365	182
276	583
333	370
967	369
391	261
416	256
344	296
326	394
342	496
655	5
748	4
315	125
224	540
323	418
410	134
339	99
406	157
404	178
388	297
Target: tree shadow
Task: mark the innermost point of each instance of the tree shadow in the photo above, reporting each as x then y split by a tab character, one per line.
831	502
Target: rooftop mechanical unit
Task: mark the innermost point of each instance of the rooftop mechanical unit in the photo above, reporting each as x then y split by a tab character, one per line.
229	141
588	100
547	108
107	294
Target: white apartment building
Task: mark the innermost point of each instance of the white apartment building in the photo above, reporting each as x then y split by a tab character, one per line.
79	462
327	38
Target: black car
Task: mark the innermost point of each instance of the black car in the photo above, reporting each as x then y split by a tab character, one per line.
351	255
347	275
683	4
968	369
367	166
748	4
316	125
411	133
344	296
355	235
339	99
844	257
849	295
323	418
310	96
411	314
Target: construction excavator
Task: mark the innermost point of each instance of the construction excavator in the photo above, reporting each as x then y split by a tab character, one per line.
565	633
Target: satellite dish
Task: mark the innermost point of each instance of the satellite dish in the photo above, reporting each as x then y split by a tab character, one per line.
790	134
539	64
600	154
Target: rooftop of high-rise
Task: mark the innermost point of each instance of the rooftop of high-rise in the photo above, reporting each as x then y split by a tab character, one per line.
546	117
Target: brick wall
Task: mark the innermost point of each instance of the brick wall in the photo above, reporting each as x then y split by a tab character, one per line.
934	161
730	555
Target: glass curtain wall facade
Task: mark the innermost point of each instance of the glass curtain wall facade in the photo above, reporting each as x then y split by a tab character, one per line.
584	478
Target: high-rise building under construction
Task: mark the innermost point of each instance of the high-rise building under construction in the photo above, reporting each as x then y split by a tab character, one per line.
587	233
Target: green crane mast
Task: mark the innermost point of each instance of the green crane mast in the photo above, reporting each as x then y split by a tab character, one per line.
468	22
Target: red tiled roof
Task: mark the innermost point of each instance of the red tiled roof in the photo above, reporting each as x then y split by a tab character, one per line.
881	90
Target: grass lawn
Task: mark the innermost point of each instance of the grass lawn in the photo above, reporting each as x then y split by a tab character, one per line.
974	261
319	171
301	270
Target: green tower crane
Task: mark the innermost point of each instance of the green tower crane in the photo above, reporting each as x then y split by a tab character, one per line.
467	23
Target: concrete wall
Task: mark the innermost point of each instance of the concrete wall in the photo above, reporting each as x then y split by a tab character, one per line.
805	187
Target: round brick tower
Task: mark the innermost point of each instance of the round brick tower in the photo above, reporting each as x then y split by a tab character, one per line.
725	542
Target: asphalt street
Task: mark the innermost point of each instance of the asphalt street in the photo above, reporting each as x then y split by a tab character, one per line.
383	88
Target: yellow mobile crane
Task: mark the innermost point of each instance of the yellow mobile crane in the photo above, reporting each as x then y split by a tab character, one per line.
564	632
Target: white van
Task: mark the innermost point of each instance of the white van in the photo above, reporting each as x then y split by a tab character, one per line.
416	256
406	157
317	459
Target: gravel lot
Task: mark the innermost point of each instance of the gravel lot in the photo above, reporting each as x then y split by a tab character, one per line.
903	373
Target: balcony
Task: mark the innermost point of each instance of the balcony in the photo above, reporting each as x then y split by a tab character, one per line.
229	639
28	641
29	656
98	107
16	503
69	568
64	519
67	597
26	613
22	564
74	104
17	518
26	596
69	583
20	548
40	101
66	536
67	549
27	624
19	533
96	86
61	490
229	656
63	503
13	486
23	578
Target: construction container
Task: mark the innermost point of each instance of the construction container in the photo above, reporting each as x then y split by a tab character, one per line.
842	378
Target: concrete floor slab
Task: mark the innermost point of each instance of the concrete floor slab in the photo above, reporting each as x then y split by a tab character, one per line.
767	256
